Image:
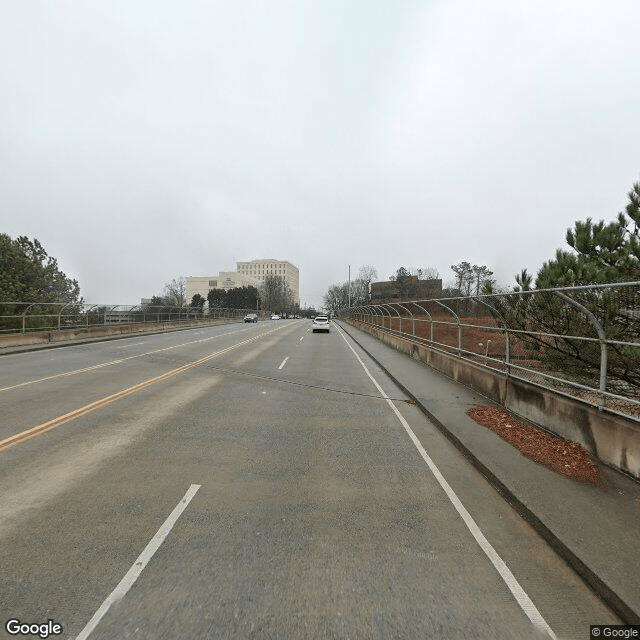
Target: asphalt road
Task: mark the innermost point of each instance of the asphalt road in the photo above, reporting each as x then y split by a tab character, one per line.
250	481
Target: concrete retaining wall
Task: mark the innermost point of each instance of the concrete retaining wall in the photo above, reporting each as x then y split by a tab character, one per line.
102	331
612	439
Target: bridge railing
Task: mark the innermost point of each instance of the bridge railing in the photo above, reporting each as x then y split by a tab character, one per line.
580	341
23	317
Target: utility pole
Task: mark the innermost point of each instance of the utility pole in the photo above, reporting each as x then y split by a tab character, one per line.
349	286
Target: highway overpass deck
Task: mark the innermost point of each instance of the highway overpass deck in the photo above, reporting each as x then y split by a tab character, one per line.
261	481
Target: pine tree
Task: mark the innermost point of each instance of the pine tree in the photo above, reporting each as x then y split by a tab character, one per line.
601	252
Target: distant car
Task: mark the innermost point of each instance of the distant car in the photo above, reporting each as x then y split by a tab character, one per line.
275	316
251	317
320	323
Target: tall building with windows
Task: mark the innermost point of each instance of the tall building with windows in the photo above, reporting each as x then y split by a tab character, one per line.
247	274
258	269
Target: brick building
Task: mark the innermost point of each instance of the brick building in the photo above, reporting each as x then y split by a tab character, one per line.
410	289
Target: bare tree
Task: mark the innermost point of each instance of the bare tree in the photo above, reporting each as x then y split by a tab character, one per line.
426	273
464	277
472	279
366	275
359	292
276	294
482	280
175	292
337	297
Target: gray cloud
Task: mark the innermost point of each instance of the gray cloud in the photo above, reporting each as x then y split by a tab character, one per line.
141	142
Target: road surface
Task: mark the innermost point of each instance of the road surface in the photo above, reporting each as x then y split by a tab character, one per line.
252	481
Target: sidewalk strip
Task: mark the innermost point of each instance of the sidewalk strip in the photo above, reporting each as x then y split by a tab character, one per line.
141	562
509	579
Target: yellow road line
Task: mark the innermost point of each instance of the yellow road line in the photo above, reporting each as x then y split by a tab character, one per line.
17	438
112	362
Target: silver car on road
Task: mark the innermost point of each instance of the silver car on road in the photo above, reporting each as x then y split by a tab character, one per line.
321	323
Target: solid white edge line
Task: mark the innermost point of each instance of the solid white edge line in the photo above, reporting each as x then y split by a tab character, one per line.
136	569
526	604
283	362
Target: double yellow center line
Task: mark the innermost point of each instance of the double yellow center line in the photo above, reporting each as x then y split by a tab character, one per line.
77	413
95	367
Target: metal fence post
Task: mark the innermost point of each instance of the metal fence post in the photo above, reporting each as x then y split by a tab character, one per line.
24	316
603	344
375	309
430	318
455	315
392	309
506	331
413	322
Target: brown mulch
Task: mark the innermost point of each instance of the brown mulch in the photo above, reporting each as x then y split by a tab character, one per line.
562	456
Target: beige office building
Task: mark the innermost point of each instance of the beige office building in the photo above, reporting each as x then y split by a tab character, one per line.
258	269
224	280
248	274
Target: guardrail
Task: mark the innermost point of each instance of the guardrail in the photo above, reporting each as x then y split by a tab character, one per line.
24	317
580	341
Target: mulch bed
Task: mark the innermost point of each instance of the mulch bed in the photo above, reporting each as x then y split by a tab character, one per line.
562	456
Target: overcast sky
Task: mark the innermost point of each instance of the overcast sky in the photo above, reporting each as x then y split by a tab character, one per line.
143	141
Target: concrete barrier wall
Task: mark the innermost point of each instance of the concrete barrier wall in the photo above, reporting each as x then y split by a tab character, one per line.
612	439
102	331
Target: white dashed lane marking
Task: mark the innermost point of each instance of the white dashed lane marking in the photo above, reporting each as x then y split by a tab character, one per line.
132	575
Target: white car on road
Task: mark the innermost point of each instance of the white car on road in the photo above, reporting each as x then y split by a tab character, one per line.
320	323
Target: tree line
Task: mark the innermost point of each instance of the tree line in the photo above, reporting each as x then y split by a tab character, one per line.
273	295
598	253
355	293
406	284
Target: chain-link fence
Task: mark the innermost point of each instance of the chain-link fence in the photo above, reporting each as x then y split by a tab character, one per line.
580	341
23	317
